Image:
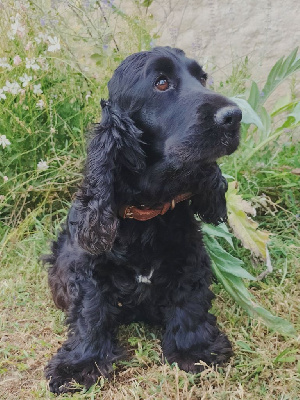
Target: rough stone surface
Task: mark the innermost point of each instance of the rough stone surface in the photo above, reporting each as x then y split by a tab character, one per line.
224	32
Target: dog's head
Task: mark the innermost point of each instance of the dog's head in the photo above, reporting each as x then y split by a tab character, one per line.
183	122
160	135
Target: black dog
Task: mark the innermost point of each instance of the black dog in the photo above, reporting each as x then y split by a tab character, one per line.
127	252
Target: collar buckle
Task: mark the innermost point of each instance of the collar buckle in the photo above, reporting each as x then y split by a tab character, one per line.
128	212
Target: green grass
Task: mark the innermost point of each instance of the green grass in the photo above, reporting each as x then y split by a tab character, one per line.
265	364
34	202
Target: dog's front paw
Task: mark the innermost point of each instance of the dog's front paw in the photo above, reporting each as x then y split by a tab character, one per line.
63	377
186	363
217	352
59	385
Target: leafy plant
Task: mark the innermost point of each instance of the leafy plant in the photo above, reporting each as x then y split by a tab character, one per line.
268	124
265	132
229	272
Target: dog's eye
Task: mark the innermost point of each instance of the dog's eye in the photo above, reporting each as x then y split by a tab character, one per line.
203	79
162	83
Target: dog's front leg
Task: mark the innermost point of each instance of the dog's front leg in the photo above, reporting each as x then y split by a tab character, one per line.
191	332
91	348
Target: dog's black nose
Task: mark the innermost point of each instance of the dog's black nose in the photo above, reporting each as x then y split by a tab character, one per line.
227	116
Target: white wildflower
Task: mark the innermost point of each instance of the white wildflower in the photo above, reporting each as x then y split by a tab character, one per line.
31	64
12	87
52	130
25	79
5	178
2	94
37	89
4	63
4	141
16	27
42	165
40	104
54	43
41	37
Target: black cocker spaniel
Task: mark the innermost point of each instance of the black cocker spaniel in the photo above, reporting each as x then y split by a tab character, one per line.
132	249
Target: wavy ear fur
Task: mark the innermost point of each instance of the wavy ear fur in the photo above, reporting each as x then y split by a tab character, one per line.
210	203
116	144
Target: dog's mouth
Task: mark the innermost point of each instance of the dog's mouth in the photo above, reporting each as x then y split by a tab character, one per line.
229	141
198	149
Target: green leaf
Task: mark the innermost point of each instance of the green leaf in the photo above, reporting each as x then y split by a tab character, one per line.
245	346
227	269
296	113
288	123
147	3
254	96
288	107
287	355
220	231
266	121
225	261
281	103
280	71
236	288
249	115
228	176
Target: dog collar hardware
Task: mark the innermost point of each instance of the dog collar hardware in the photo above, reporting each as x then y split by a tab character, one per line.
145	278
143	213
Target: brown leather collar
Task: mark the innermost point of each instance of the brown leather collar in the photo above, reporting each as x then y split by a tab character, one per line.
143	213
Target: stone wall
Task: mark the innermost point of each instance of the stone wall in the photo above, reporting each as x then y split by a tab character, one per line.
224	32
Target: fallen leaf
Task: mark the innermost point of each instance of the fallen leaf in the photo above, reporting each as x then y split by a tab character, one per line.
244	228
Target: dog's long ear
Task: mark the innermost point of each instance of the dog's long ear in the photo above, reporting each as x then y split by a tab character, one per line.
115	144
209	203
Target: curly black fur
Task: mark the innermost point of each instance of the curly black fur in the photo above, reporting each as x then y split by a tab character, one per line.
150	146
